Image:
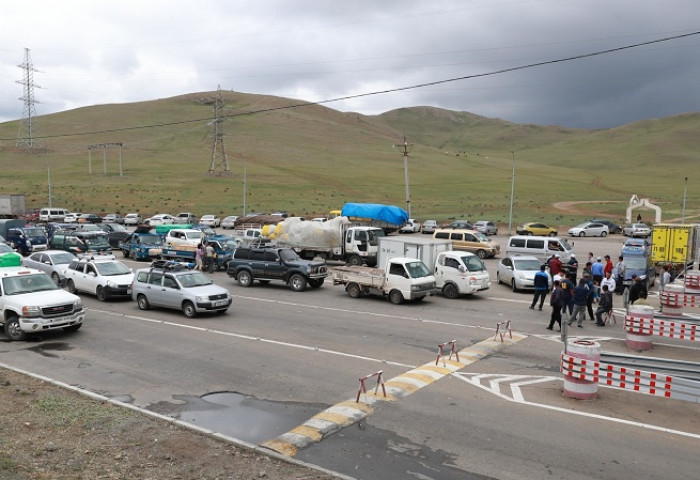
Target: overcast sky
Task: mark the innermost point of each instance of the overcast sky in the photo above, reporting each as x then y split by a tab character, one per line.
99	52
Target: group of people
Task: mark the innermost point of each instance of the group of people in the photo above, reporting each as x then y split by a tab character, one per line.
204	257
572	298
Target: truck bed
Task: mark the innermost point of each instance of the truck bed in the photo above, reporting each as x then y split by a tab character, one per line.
364	276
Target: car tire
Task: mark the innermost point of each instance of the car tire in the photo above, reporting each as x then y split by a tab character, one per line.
450	290
396	297
498	279
297	282
13	330
582	234
189	310
353	290
101	293
512	286
481	254
355	260
55	277
604	234
530	234
552	234
142	302
71	287
244	278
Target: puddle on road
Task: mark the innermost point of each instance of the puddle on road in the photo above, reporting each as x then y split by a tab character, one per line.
244	417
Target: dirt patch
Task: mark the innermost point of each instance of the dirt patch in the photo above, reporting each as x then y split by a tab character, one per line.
52	433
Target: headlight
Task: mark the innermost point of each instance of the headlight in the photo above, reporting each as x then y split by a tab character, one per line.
201	298
31	311
111	284
78	305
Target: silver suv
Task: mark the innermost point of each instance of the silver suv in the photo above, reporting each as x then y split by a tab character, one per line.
171	285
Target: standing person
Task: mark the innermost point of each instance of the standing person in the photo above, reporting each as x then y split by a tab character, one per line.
637	290
665	278
198	253
597	271
608	265
573	267
604	306
587	269
210	256
591	294
580	302
591	259
639	218
619	276
555	265
555	301
609	281
541	282
567	297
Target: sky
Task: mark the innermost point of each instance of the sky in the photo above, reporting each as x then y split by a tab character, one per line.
478	56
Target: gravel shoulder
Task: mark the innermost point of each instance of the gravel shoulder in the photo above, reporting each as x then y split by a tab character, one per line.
49	432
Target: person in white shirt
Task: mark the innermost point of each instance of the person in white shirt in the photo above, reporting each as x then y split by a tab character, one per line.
609	281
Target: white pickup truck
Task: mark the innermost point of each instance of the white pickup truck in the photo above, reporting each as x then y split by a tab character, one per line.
401	279
31	302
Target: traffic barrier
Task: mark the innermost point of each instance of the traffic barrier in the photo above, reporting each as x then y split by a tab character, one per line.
663	328
506	328
636	338
579	354
641	381
692	282
672	299
453	350
363	388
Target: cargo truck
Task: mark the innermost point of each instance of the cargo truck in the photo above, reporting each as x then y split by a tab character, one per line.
400	279
387	217
675	245
336	239
12	206
456	272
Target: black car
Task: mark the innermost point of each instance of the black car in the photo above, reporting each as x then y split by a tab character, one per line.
89	218
612	227
274	263
116	233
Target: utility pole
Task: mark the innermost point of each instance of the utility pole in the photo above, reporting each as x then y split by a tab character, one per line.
219	160
512	191
27	128
405	148
685	189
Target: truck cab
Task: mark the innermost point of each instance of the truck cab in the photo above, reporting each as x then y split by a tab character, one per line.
460	273
361	245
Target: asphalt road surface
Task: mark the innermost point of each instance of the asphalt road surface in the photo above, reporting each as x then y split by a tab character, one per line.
501	416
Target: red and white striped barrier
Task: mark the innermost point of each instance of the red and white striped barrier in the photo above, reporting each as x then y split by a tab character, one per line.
672	299
578	386
638	339
641	381
663	328
441	351
692	282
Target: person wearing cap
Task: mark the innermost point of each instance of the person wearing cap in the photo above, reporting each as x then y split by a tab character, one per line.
597	271
572	267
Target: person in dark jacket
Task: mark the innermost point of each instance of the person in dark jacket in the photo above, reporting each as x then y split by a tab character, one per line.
567	298
604	306
591	294
637	290
580	302
556	303
541	283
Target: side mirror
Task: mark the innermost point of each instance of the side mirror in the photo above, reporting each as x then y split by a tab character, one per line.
462	268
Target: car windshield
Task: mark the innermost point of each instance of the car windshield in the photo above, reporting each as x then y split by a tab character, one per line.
27	284
228	245
194	279
207	231
5	248
635	263
582	225
527	264
473	263
62	258
97	242
481	237
107	269
564	243
150	239
34	232
90	228
417	270
288	255
117	227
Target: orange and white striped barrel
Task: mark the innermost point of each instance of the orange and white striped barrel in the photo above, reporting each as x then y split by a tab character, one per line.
672	299
588	353
638	325
692	282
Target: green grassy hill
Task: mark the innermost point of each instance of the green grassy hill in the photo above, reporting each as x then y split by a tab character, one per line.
311	159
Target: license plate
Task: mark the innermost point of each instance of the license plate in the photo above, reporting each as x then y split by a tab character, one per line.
220	303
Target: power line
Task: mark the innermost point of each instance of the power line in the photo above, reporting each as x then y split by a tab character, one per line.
391	90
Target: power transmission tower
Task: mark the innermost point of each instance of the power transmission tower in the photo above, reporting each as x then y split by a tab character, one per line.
26	138
219	160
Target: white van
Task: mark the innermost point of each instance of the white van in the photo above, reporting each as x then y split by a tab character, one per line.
541	247
52	214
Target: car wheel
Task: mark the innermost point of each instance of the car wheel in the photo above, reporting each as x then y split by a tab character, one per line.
71	287
512	285
582	234
101	294
530	234
498	279
142	302
189	310
297	283
604	234
396	297
244	278
481	254
353	290
450	291
56	278
13	330
126	253
552	234
355	260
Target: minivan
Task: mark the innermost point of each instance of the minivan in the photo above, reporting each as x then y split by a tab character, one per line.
52	214
541	247
469	240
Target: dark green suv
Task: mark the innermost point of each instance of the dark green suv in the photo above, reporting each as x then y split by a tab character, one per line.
80	242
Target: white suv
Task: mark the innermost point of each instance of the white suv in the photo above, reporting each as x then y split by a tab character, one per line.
104	277
171	285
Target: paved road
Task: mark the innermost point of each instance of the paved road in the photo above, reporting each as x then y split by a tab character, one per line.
502	416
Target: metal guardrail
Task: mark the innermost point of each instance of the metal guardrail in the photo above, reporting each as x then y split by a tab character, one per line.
664	366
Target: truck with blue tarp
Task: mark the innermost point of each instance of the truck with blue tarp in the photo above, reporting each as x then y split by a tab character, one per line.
387	217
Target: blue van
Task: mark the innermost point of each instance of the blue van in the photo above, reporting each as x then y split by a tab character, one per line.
638	262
